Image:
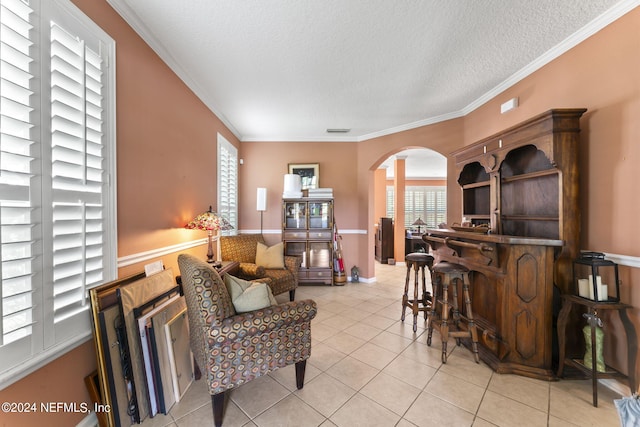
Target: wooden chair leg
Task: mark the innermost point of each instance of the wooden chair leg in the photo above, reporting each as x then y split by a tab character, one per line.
300	368
435	286
405	295
292	295
217	401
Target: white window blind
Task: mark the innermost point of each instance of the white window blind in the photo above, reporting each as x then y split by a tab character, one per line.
57	153
426	202
228	182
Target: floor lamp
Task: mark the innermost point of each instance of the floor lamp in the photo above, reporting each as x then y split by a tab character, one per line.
261	205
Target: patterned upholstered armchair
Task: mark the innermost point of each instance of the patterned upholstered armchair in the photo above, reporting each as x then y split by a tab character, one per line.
242	248
232	349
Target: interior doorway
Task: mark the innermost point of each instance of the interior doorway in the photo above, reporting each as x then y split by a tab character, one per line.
423	191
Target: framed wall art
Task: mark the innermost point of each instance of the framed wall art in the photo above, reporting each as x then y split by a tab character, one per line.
310	173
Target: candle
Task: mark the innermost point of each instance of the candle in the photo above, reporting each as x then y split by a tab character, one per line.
594	287
583	288
603	293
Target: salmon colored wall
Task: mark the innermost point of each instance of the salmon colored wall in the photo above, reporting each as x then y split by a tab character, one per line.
59	381
266	163
380	193
166	143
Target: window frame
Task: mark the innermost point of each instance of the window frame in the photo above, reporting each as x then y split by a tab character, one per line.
227	185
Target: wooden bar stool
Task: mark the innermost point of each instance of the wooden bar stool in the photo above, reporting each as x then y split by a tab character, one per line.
446	274
417	260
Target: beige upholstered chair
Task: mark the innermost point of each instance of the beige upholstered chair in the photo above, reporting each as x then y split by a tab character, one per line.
232	349
243	247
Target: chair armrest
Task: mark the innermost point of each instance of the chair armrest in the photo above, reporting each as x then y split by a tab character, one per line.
251	270
292	263
256	322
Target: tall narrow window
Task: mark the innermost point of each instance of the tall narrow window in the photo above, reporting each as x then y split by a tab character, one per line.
57	201
228	182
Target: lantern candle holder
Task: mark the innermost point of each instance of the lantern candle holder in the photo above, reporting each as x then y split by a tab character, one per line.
596	278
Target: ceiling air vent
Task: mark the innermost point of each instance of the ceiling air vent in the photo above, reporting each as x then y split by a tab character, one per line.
337	130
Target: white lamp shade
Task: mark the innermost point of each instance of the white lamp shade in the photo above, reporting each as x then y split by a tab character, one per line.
261	199
292	186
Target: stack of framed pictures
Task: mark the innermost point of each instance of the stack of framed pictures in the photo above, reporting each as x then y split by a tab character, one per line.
142	345
168	364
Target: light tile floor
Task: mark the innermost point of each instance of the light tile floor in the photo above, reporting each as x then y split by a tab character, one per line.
369	369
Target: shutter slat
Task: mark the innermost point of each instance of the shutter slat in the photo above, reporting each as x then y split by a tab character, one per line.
68	278
16	285
14	304
15	322
16	251
16	268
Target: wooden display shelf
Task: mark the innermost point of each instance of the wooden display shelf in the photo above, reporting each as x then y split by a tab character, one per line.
529	175
609	371
476	185
528	218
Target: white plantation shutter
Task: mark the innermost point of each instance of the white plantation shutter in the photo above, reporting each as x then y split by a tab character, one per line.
390	201
16	171
228	182
57	204
77	172
414	205
426	202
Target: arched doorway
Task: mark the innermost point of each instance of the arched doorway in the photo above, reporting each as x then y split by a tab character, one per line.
419	177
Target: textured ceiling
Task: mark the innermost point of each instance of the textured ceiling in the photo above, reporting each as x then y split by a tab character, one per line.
287	70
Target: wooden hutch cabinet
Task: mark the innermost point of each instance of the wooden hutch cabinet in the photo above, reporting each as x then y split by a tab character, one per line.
307	232
523	183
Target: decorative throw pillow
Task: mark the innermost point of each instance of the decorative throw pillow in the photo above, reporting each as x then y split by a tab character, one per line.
248	296
270	257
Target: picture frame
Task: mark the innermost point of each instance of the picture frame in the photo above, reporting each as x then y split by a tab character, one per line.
104	311
310	173
117	364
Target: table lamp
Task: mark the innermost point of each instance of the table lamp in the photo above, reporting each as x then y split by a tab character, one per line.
419	222
209	221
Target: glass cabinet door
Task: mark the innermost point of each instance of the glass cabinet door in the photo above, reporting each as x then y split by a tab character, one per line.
320	214
298	249
320	255
295	215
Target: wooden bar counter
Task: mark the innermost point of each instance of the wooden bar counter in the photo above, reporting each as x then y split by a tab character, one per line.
512	295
